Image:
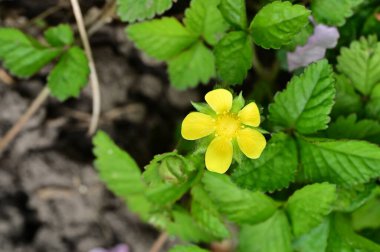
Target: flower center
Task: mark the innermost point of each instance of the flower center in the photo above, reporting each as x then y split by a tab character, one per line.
227	125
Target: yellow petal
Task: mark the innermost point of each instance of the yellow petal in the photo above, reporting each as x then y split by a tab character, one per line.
219	155
250	115
220	100
197	125
251	142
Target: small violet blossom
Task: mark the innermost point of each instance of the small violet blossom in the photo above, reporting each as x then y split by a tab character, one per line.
324	37
117	248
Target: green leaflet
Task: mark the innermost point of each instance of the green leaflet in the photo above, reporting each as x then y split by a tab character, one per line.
352	128
234	12
161	38
70	75
23	56
368	215
333	13
239	205
60	35
272	235
274	170
132	10
350	199
343	162
361	64
189	248
234	57
192	66
204	18
306	103
277	23
372	108
315	240
308	206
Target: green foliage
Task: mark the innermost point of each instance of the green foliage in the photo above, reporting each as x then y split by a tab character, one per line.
70	75
343	162
272	235
60	35
333	13
22	55
234	12
308	206
239	205
278	23
368	215
132	10
189	248
161	38
372	108
307	101
197	64
315	240
361	64
350	199
234	57
274	170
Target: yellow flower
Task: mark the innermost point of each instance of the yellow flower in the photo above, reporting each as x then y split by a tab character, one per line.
225	126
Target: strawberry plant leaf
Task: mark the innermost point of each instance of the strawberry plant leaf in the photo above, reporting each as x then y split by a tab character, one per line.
132	10
234	11
60	35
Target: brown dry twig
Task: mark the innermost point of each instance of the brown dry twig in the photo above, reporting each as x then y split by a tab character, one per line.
159	242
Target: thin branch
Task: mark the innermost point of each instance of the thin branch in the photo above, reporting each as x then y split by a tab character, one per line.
106	16
17	127
93	76
159	242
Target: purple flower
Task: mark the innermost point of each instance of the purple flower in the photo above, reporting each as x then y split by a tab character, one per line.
315	49
117	248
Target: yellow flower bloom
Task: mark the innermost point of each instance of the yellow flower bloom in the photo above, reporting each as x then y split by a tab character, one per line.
225	126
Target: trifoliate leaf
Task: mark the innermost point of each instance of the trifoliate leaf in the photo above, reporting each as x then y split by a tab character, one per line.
60	35
70	75
233	56
189	248
306	103
308	206
274	170
132	10
347	101
204	18
120	173
191	67
343	162
361	64
372	108
185	227
239	205
333	13
350	199
272	235
315	240
161	38
21	55
351	128
234	12
277	23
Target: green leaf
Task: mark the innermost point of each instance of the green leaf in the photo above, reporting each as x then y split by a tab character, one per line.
274	170
361	64
161	38
132	10
372	108
272	235
306	103
350	128
189	248
206	214
308	206
341	162
70	75
234	12
234	57
277	23
204	18
301	38
22	55
368	216
347	101
315	240
191	67
350	199
60	35
333	13
239	205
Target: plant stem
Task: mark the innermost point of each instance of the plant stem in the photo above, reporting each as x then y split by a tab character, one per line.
159	242
93	75
17	127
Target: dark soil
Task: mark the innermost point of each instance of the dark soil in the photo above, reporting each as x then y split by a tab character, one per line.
50	195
